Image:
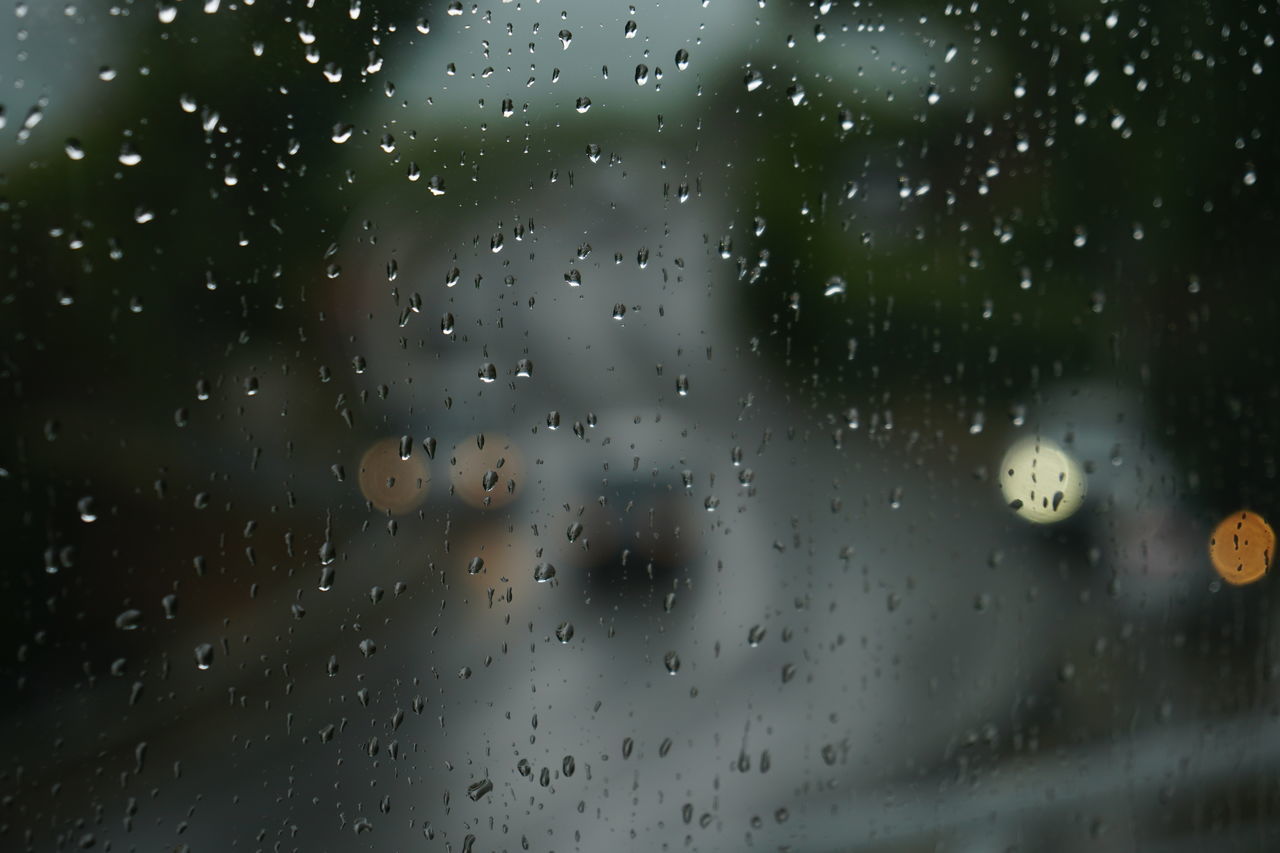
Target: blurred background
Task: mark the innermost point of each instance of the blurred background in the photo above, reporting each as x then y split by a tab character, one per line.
673	425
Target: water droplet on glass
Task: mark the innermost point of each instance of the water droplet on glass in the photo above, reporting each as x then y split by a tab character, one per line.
672	662
478	789
564	632
204	655
682	59
129	620
487	372
129	155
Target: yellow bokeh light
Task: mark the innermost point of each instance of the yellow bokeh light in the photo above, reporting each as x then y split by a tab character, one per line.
1041	482
1241	547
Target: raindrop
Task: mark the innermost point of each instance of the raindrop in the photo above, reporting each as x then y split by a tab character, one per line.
682	59
129	155
672	662
204	655
564	632
129	620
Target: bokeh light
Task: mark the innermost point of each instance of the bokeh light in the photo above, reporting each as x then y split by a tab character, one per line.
487	470
1041	482
1241	547
391	483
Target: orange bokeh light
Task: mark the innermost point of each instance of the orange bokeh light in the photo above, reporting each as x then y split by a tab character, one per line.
391	483
1241	547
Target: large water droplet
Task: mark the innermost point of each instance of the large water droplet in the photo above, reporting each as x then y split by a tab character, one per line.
672	662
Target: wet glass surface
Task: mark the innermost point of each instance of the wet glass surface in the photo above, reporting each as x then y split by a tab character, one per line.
686	425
